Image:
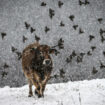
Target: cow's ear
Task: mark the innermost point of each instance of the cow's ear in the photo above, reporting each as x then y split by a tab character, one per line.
34	50
53	51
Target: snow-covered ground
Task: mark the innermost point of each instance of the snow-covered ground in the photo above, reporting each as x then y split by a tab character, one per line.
71	93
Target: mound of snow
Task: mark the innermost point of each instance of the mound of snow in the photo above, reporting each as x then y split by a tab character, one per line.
71	93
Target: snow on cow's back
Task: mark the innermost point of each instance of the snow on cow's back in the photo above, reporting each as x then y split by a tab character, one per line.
71	93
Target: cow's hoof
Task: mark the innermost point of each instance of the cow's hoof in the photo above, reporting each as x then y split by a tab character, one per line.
30	95
39	96
36	92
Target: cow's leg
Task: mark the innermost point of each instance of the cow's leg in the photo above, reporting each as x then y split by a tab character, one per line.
38	90
33	79
30	88
37	85
28	75
41	87
44	84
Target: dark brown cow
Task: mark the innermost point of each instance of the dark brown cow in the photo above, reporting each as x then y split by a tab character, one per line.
37	66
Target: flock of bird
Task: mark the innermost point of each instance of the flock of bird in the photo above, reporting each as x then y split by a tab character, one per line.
79	57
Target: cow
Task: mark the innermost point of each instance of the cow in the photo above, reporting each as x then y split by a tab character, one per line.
37	66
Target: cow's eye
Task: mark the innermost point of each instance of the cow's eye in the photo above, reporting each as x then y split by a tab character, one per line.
41	57
41	53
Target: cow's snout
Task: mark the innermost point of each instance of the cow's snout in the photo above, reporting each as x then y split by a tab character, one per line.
47	62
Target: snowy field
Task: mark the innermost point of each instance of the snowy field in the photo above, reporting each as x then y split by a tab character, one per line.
71	93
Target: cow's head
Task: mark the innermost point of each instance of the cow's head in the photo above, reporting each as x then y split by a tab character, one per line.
42	54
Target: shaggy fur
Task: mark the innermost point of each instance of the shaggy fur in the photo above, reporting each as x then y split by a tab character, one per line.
35	71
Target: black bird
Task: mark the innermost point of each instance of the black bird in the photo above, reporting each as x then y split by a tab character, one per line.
84	3
73	53
56	52
93	48
87	2
24	39
104	53
32	29
82	54
19	55
3	34
91	37
43	4
102	31
37	38
101	34
94	71
62	73
75	26
71	17
89	53
81	31
61	43
5	66
102	65
51	13
62	24
100	20
102	39
69	59
47	29
60	3
81	3
27	25
56	76
79	59
13	49
4	74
